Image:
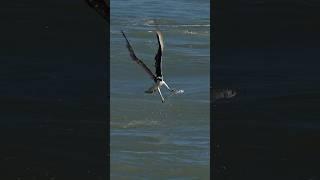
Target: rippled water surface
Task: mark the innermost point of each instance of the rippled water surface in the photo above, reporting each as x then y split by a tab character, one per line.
150	139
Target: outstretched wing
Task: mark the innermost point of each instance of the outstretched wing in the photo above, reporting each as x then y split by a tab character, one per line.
101	7
137	60
158	57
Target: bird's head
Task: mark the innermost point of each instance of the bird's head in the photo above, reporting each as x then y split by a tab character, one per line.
159	78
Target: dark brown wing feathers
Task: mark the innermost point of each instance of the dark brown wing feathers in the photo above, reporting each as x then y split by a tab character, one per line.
137	60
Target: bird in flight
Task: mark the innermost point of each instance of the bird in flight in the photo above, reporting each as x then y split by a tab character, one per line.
157	77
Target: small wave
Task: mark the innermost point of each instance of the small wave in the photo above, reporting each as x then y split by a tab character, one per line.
170	23
149	22
178	25
190	32
136	124
195	32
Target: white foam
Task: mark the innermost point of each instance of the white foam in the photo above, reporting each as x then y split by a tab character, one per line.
178	25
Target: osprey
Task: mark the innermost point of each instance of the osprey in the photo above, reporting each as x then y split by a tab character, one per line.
157	77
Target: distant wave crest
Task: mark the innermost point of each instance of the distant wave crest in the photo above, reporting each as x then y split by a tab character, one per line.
195	32
136	124
180	25
170	23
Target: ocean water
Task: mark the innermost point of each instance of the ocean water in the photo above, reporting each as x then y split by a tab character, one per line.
150	139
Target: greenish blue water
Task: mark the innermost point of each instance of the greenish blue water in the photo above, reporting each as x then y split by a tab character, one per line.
150	139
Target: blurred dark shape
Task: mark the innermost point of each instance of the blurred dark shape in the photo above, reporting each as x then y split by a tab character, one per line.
101	7
224	93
